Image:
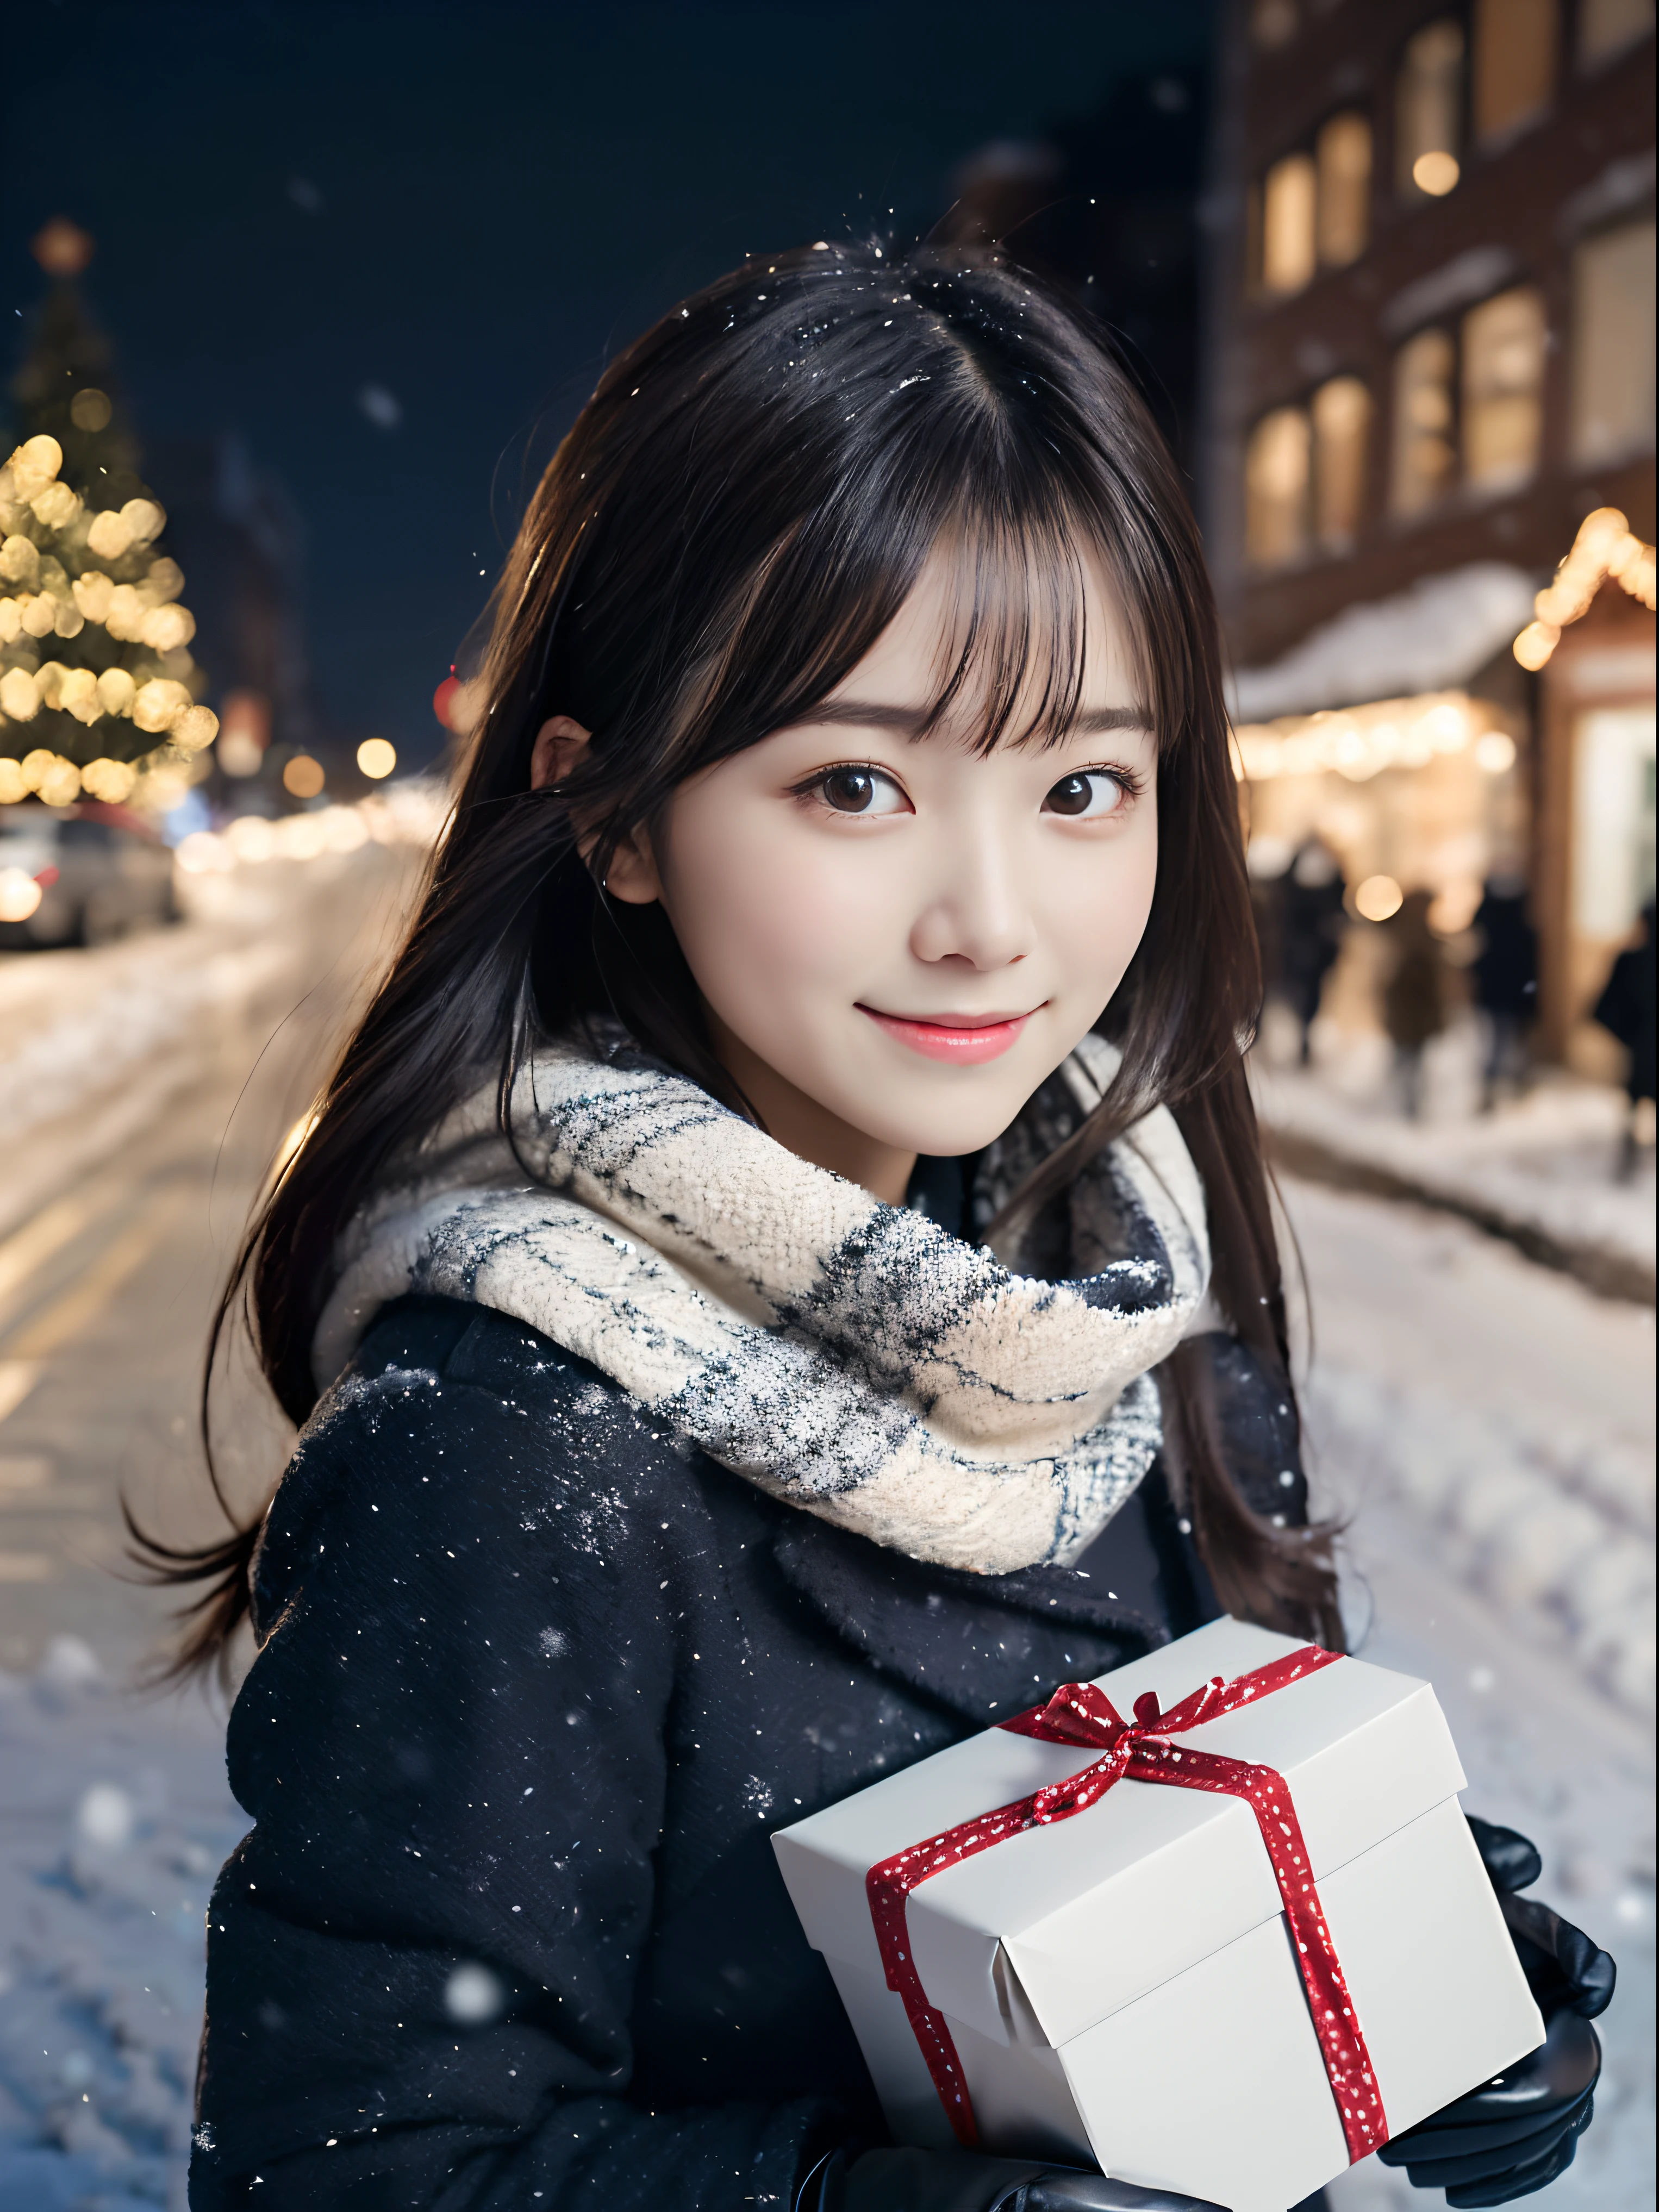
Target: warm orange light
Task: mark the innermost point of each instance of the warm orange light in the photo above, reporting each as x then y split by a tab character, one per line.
62	247
1604	547
110	780
1378	897
1494	752
377	758
303	777
1436	173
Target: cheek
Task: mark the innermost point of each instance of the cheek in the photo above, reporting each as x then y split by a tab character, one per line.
1096	904
762	911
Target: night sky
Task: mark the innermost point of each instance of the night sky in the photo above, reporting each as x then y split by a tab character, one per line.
468	209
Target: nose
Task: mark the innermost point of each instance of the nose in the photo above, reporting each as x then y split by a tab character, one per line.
973	911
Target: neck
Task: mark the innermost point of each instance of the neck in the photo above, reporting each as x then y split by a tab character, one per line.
811	1131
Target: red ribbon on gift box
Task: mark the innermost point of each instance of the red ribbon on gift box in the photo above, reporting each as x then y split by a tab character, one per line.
1078	1713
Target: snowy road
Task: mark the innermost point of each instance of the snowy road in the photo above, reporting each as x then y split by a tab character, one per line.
1460	1398
144	1087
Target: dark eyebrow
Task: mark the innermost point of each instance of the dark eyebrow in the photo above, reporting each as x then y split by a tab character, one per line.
909	721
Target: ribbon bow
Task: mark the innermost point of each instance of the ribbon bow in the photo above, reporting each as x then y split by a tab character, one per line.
1139	1750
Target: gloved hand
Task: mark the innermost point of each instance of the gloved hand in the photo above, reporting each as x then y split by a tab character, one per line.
1517	2133
962	2181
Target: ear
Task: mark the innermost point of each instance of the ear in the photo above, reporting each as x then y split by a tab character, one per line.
559	746
632	875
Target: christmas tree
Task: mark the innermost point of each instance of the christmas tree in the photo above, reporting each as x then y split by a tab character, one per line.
98	689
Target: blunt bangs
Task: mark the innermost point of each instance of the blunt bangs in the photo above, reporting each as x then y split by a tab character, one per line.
753	526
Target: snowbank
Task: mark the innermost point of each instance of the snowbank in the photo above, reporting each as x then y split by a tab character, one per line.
1507	1412
1539	1170
1484	1428
95	1043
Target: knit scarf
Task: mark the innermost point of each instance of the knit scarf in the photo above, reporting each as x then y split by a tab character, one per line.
847	1357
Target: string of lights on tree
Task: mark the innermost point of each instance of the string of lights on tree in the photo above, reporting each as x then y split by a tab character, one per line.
100	695
98	692
97	684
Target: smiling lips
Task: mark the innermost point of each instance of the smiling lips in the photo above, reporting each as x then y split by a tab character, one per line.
966	1040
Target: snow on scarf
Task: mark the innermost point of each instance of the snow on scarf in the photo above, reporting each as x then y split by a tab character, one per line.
847	1357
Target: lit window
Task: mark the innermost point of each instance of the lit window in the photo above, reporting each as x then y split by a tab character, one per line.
1341	422
1514	43
1428	111
1612	305
1424	455
1606	27
1287	225
1502	388
1343	158
1277	468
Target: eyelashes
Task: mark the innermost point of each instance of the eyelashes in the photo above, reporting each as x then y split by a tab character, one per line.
865	791
1091	794
857	787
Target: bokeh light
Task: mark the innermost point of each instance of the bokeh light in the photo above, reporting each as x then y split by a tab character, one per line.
377	758
473	1995
1378	897
105	1816
239	754
1495	752
90	410
303	777
19	894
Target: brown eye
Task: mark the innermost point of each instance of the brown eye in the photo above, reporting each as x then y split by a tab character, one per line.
849	790
860	791
1088	796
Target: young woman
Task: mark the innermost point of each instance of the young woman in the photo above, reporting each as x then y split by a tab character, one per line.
782	1273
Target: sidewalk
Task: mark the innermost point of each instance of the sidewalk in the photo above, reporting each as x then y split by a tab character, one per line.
1538	1171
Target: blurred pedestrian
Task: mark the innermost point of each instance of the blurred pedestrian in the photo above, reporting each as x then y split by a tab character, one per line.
1310	915
1414	996
1505	982
1625	1009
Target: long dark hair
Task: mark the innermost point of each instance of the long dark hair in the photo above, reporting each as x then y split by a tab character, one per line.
738	513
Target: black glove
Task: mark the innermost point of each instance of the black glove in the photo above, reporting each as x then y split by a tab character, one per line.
962	2181
1516	2134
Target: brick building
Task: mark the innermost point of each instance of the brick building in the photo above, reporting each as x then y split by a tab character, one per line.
1432	354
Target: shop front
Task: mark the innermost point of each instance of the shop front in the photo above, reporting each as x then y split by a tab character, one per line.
1593	646
1423	792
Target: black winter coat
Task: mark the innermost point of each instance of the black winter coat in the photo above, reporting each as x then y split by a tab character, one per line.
537	1682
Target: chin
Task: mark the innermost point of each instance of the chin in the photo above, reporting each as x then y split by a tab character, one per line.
955	1112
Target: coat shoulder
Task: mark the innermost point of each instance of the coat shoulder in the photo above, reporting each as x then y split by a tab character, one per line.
452	1415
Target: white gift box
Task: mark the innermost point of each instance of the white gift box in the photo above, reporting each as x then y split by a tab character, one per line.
1121	1986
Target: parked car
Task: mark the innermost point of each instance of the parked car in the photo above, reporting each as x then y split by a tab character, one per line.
102	872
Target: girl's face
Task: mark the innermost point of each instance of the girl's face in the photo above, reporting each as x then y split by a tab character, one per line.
898	939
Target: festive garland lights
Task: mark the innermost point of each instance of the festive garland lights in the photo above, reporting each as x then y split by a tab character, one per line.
1604	547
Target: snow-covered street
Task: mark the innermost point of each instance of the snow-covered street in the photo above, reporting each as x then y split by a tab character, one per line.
1485	1426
